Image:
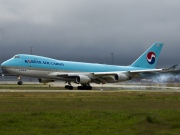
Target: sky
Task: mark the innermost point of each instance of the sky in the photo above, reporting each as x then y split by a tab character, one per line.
90	30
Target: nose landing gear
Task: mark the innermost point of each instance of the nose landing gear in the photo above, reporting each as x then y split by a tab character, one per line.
19	81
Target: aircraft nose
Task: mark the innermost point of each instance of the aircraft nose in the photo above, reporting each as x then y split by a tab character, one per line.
4	64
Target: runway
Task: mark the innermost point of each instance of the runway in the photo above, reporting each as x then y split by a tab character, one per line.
86	91
96	87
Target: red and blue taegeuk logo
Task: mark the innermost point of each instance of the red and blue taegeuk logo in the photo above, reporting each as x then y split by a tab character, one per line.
151	57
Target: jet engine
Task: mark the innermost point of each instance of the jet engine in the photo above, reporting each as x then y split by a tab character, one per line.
121	77
83	79
41	80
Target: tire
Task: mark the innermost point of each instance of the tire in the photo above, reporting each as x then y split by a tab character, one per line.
70	87
20	83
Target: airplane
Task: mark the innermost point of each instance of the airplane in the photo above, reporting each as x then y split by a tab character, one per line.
49	70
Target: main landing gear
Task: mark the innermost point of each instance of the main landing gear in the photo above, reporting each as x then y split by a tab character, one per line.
84	87
69	86
19	81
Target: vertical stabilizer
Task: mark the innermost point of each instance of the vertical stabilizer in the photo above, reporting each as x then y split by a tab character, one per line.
150	57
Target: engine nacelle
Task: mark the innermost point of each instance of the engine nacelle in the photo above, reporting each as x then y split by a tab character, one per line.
121	77
41	80
83	79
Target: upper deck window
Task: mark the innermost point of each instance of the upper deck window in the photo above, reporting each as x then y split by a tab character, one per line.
16	56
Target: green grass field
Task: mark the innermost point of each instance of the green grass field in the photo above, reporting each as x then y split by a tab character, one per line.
106	113
30	87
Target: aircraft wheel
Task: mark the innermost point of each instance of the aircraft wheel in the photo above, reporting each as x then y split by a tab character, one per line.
89	88
80	88
70	87
66	87
84	88
20	83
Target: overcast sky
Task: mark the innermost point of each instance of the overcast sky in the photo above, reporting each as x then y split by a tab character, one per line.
90	30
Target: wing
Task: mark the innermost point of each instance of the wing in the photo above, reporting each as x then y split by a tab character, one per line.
104	77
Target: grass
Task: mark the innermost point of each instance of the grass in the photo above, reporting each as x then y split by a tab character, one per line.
30	87
126	113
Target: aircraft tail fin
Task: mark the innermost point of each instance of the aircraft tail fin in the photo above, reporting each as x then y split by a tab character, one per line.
150	57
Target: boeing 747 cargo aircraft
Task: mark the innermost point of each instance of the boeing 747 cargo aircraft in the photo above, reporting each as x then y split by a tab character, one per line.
49	70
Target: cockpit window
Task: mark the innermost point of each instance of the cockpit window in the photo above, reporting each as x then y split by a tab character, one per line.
16	56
